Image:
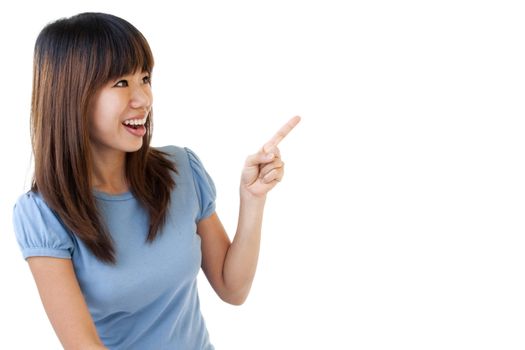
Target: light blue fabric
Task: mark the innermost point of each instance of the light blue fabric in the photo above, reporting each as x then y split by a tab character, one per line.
149	299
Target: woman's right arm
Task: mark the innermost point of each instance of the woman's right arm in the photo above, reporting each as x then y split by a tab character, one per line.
64	303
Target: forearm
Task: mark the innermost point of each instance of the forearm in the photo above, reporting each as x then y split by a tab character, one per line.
241	259
261	172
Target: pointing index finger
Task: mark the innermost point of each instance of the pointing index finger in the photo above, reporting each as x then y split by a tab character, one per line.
281	134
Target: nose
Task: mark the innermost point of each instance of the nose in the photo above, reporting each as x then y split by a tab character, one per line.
141	97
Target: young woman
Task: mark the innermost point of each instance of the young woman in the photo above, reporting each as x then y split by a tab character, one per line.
114	230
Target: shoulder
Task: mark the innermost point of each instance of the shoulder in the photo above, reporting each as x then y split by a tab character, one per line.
193	177
170	150
39	231
30	196
31	207
174	153
182	156
189	165
29	201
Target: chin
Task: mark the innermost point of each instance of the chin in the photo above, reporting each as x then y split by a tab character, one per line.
134	148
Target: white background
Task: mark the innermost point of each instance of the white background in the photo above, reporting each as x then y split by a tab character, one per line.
400	222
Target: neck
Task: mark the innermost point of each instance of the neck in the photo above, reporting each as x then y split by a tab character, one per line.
109	172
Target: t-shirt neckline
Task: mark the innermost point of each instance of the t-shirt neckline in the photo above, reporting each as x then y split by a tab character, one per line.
113	197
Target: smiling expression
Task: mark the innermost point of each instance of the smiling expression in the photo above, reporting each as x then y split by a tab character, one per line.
119	112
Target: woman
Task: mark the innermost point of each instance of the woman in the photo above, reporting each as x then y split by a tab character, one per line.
115	231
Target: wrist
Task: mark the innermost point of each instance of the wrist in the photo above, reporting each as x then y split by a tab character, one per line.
247	196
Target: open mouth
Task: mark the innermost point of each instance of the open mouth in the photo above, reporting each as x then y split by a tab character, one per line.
136	126
133	126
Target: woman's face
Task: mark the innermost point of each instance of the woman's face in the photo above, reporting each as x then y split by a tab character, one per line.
119	112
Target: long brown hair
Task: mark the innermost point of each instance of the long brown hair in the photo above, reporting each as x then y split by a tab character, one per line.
73	58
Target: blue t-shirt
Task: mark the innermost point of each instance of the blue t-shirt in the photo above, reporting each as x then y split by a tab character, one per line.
149	299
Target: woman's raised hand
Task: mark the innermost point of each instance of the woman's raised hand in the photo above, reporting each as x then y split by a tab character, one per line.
264	169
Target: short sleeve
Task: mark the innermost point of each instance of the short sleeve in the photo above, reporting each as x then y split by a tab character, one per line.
38	230
204	186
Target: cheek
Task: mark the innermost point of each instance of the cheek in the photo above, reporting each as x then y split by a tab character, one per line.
106	114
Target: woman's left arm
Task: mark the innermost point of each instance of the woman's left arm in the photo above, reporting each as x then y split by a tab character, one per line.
230	266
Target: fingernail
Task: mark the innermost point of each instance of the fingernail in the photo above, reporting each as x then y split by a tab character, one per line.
269	156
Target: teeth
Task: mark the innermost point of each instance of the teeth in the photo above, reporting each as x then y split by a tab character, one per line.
136	121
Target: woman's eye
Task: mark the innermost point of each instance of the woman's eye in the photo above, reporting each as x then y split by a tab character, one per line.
146	79
122	83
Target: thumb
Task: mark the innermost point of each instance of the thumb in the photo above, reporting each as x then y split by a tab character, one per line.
259	158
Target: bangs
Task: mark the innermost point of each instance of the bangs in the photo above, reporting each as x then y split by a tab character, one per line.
112	47
123	52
